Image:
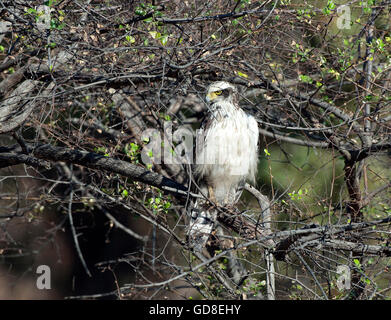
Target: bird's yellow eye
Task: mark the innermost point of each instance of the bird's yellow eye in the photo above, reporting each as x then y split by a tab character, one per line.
217	93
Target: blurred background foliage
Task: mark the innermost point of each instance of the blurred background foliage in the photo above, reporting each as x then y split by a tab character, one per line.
105	70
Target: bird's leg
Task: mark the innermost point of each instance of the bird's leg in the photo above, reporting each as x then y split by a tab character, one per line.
211	194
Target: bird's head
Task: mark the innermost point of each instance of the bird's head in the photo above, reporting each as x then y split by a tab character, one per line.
221	91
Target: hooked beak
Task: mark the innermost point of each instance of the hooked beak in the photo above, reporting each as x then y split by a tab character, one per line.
211	96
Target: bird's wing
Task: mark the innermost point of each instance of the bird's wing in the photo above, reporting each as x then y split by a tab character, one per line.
253	127
202	217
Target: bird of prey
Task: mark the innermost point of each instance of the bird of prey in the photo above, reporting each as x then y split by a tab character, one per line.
226	156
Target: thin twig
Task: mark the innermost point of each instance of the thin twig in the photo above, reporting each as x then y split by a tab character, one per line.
76	241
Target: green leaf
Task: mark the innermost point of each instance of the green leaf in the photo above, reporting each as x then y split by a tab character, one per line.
241	74
49	3
304	78
31	11
140	12
154	34
134	147
164	39
130	39
158	14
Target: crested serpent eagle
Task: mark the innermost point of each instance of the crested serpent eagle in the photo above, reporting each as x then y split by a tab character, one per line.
226	156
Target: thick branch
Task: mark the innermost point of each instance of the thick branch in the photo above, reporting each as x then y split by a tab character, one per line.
312	232
359	248
93	161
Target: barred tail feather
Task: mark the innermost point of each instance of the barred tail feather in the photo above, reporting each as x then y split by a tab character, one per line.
202	221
